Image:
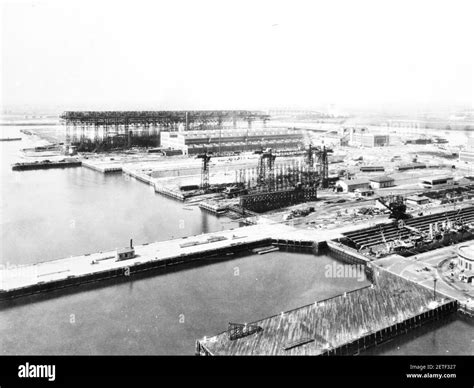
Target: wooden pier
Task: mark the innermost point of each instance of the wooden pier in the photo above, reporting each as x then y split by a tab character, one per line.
345	324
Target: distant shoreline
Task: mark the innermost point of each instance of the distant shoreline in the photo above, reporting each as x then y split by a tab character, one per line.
27	124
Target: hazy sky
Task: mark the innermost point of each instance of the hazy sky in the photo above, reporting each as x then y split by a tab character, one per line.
236	54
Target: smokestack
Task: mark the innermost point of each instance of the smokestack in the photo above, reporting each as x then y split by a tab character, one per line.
131	243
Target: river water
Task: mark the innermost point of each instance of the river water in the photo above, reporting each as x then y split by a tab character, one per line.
50	214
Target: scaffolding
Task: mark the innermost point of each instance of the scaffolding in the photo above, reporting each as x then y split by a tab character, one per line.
96	130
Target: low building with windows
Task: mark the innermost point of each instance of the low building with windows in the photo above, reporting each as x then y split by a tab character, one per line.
125	253
372	168
359	193
417	200
380	182
349	186
436	182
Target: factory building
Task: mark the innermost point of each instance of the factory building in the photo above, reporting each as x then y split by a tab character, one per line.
349	186
380	182
362	138
231	140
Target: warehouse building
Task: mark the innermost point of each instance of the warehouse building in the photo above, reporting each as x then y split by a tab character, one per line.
233	140
380	182
436	182
349	186
362	138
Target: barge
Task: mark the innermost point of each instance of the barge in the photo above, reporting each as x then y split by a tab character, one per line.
46	164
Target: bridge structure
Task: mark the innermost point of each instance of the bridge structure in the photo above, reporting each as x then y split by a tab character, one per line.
100	130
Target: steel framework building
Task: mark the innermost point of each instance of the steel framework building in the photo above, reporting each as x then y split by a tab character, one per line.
96	130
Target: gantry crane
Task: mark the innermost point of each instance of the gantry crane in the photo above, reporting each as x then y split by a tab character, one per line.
310	157
396	205
321	153
205	170
265	173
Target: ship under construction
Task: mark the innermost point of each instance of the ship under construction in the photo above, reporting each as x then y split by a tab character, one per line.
273	187
414	235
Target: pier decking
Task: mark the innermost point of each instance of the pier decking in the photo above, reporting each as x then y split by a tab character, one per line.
345	324
30	279
102	167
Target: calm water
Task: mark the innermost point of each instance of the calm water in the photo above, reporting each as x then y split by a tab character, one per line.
451	336
56	213
165	314
48	214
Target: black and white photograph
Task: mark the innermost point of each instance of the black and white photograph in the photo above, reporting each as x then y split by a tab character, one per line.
287	179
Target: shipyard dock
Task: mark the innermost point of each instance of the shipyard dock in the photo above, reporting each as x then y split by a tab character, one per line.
374	236
344	324
46	276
